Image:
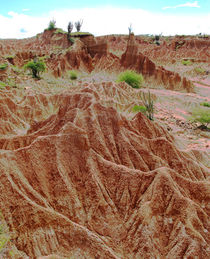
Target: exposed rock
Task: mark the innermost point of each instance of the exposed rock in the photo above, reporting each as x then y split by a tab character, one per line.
81	180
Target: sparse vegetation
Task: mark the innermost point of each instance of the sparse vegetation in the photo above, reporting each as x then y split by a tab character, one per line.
16	69
36	67
51	25
3	66
78	33
186	62
147	108
200	70
78	25
201	115
61	31
205	104
44	58
2	85
139	108
11	82
71	40
132	78
148	104
73	75
4	237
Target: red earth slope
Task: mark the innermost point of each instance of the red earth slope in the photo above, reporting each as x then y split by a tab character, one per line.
78	179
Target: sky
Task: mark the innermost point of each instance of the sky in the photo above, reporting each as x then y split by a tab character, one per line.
24	18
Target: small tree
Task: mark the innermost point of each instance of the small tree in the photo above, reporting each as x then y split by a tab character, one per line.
78	25
51	25
36	66
69	28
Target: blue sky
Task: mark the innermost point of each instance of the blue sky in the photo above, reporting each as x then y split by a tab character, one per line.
43	6
25	18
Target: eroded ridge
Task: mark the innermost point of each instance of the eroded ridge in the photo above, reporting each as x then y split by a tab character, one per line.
92	183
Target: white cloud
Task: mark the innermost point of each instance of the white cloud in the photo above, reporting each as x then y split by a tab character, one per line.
107	20
188	4
25	10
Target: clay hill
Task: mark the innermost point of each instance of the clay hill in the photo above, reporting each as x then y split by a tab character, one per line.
81	174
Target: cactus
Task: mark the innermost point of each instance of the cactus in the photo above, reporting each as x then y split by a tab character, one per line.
149	104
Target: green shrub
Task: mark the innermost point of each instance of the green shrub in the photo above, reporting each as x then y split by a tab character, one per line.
200	70
201	115
36	66
73	75
71	40
138	108
2	85
206	104
3	66
132	78
51	25
186	62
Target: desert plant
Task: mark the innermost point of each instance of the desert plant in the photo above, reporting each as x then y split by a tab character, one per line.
51	25
130	29
78	25
73	75
148	104
132	78
186	62
36	66
2	85
205	104
3	66
139	108
200	70
70	27
201	115
71	40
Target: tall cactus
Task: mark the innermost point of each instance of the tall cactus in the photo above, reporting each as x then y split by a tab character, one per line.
149	104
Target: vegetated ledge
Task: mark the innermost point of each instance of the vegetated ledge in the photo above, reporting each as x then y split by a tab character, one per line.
81	34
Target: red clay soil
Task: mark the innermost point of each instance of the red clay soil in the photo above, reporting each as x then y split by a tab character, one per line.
90	54
170	48
80	180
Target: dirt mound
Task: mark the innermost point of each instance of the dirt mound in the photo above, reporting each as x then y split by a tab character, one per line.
86	182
